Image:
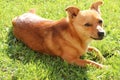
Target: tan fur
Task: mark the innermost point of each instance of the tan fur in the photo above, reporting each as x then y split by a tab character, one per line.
68	38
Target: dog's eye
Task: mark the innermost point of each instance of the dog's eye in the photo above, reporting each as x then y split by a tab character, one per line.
100	21
87	24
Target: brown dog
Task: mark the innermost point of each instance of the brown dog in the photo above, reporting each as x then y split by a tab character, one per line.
68	38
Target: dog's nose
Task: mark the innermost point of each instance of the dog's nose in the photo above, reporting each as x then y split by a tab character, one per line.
101	34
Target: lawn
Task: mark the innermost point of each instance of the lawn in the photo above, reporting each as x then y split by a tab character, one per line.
18	62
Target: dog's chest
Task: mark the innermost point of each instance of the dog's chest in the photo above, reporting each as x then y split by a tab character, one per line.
64	44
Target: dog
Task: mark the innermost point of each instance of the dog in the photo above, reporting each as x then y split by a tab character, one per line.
67	38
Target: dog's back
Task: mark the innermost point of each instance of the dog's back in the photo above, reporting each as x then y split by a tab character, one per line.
28	28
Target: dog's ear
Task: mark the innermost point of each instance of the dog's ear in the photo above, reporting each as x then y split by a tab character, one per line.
96	5
72	12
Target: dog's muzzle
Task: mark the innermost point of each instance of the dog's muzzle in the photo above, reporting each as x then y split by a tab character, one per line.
101	32
101	35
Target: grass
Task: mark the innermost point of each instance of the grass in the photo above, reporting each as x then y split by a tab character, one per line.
18	62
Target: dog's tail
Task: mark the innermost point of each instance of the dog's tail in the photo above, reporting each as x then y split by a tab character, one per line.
32	11
14	21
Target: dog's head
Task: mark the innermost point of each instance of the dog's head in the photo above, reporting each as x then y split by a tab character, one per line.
88	22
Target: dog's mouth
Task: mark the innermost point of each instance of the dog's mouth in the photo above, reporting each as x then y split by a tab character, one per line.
99	38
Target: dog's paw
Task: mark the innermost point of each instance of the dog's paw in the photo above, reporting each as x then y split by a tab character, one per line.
102	59
106	67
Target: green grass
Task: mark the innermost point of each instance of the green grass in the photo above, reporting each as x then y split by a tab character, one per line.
18	62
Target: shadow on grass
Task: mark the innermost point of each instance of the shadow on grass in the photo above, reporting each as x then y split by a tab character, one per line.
58	68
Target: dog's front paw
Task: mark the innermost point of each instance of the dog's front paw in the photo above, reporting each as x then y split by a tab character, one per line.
98	53
102	59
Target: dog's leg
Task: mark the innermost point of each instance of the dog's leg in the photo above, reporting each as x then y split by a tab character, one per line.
98	53
85	62
80	62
